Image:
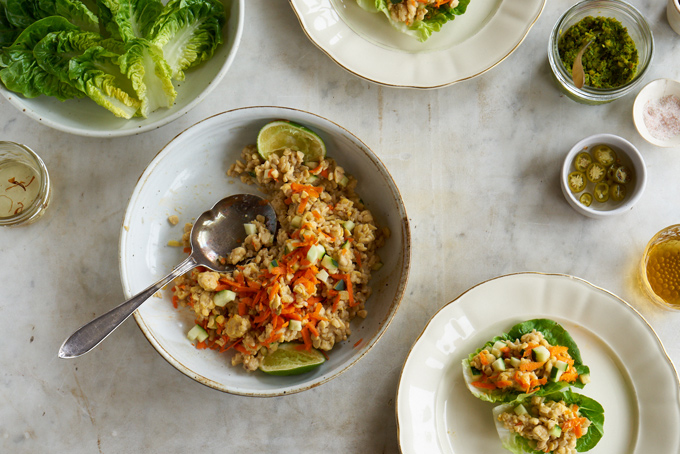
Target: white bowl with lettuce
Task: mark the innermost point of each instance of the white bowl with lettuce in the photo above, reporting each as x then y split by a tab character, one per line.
114	67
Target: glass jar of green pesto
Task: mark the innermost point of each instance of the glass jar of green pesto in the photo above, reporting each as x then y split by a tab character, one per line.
605	20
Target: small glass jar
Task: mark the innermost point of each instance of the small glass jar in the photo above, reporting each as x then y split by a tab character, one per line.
25	188
638	29
659	270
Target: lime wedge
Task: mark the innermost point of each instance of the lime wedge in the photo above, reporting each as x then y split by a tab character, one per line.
279	135
288	360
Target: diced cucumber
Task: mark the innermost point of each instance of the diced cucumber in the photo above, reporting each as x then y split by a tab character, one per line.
520	410
222	298
339	286
312	164
540	354
296	222
295	325
377	266
561	365
250	229
345	245
329	263
291	245
348	225
273	264
322	275
555	374
496	349
515	362
316	251
585	378
343	181
312	179
498	365
555	432
197	333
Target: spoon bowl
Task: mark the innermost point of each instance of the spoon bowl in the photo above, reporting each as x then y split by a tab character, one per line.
214	235
578	75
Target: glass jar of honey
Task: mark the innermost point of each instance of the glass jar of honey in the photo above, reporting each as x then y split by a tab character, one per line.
660	268
25	188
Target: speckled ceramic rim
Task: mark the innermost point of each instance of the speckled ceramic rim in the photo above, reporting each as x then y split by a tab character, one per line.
17	101
521	40
405	264
626	306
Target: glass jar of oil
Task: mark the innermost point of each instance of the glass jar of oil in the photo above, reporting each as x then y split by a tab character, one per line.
660	268
25	188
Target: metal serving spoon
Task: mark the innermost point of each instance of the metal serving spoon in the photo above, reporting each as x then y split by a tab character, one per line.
577	73
214	235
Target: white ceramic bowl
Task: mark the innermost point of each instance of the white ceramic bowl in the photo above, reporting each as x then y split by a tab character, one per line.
653	92
187	177
628	155
85	118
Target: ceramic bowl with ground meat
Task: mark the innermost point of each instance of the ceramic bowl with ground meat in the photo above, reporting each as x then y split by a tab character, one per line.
191	173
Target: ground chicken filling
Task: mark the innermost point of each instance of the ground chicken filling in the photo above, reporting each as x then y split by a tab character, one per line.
410	11
306	283
522	365
553	426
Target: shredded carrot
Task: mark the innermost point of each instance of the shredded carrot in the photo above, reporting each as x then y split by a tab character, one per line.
483	359
356	344
503	383
483	385
187	250
175	299
569	376
528	367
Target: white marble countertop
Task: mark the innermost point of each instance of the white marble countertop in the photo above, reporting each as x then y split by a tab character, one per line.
477	164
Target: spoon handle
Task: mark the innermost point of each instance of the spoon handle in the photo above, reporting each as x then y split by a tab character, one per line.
92	333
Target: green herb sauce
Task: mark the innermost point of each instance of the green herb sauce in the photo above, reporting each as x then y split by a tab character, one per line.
610	61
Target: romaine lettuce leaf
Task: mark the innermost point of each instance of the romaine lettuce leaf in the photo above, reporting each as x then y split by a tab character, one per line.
189	31
588	408
554	333
23	13
130	19
21	72
96	72
149	73
420	29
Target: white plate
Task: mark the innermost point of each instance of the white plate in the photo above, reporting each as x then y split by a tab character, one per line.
367	45
632	376
186	178
85	118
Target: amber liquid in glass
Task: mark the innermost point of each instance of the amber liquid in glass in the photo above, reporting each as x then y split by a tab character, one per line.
663	271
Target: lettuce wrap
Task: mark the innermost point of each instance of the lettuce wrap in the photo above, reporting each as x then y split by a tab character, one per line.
566	425
536	357
434	15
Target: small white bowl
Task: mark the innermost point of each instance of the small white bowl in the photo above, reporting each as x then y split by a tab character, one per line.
85	118
628	155
654	91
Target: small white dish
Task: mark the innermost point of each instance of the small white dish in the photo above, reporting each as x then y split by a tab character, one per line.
188	176
653	92
365	43
628	155
85	118
632	376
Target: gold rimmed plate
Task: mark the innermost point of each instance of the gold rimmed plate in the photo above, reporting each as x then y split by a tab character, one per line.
631	374
366	45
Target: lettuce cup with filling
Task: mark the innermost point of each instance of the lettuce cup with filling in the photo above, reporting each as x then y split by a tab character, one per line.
536	357
562	422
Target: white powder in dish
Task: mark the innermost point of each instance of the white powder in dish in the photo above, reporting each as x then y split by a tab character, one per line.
662	117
